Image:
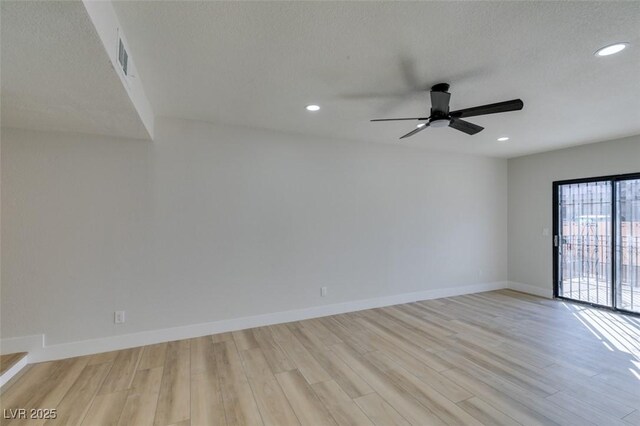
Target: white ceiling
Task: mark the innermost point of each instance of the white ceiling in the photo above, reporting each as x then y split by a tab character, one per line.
56	74
258	64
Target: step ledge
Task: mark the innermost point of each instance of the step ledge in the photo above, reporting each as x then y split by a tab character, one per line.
15	369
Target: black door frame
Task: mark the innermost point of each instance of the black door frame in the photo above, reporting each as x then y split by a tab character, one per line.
555	243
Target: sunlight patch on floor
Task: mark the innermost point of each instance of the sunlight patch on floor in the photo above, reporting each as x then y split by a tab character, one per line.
613	330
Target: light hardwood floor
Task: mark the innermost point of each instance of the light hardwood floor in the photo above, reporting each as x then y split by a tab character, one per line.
493	358
9	360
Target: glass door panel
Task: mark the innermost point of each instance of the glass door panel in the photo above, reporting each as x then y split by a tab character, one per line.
584	242
628	244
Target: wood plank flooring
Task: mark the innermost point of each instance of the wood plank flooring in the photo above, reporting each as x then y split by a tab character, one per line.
495	358
9	360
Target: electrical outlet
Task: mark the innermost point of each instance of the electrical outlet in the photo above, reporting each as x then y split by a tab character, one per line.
118	317
323	291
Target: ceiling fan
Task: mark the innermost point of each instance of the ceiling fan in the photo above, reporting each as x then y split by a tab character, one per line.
442	117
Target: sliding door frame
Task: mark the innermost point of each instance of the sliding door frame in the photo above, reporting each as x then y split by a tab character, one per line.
555	243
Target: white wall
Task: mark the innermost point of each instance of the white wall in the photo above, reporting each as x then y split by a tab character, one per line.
530	181
212	222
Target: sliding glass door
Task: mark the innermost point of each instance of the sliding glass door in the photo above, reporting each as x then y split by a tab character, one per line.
627	236
584	236
597	241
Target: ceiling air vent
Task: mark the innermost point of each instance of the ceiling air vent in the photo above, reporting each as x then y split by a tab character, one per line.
123	56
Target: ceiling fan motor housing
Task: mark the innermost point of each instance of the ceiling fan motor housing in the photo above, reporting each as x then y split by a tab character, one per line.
439	122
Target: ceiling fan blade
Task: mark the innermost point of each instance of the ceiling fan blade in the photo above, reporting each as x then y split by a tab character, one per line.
399	119
465	126
512	105
414	131
440	102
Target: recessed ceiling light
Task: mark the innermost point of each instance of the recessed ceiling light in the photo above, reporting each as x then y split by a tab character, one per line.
611	49
420	125
502	139
312	107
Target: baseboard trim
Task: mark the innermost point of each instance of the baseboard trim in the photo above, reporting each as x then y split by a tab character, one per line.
531	289
123	341
29	344
15	369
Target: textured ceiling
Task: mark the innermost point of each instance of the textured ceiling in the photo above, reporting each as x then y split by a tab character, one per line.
56	74
259	63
